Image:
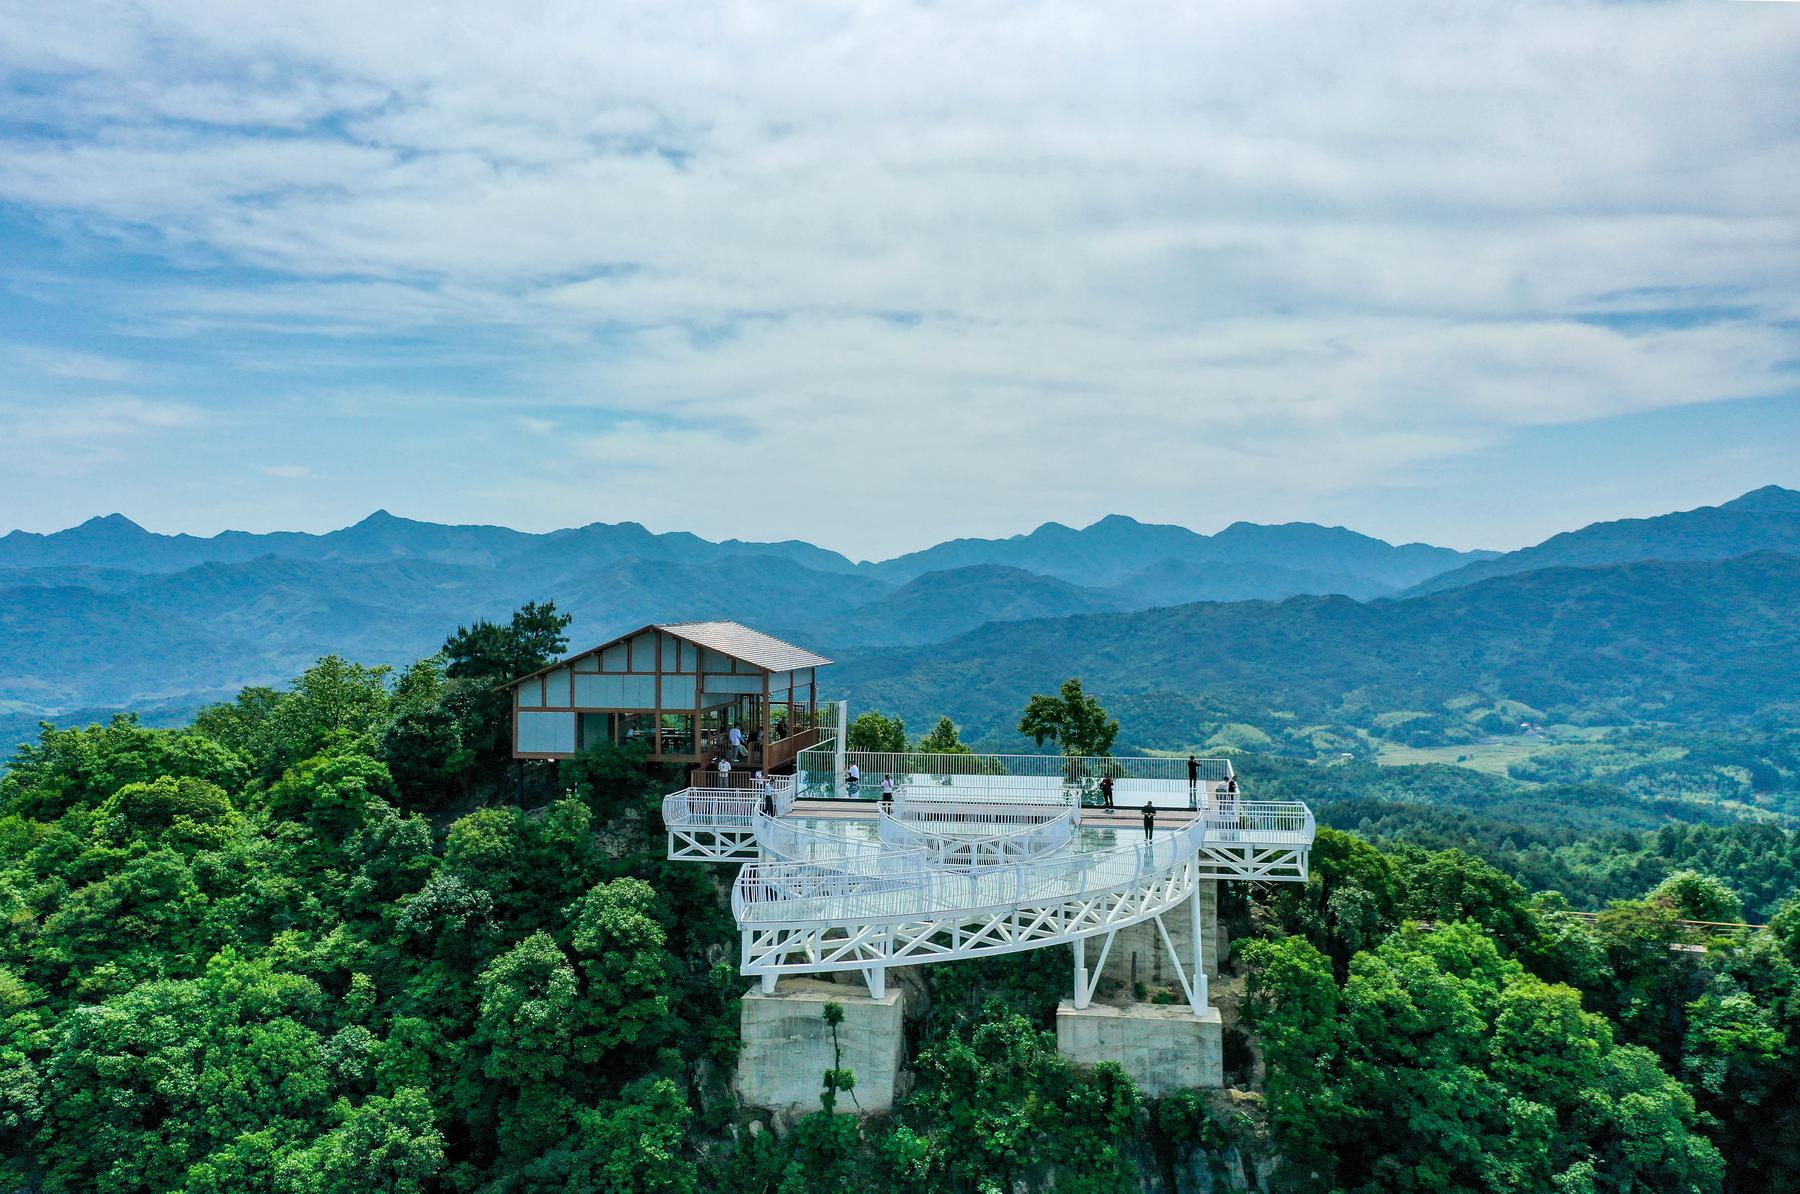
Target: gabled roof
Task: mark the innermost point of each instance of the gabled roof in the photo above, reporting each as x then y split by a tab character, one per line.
727	638
740	642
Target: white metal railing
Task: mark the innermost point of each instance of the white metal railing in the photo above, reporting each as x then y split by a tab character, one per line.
979	835
1273	821
794	841
743	778
911	805
897	885
784	893
726	808
817	770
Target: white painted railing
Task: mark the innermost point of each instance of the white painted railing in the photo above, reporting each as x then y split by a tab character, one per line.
818	771
929	801
960	834
726	808
793	840
894	886
1274	822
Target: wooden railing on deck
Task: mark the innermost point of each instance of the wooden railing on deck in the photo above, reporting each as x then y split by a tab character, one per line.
781	752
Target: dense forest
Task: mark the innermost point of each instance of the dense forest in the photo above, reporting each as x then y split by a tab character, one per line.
312	942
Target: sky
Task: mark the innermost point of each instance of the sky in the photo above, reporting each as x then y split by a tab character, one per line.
880	274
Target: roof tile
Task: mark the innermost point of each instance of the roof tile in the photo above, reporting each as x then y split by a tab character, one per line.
740	642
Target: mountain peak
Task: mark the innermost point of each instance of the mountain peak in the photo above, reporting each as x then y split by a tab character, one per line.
1770	499
111	524
380	518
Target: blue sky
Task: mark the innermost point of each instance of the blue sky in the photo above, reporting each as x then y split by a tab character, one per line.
884	274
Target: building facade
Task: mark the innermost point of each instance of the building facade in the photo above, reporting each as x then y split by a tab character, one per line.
683	687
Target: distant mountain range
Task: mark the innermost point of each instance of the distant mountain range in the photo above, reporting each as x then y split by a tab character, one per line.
1299	556
108	615
114	541
1694	642
1766	519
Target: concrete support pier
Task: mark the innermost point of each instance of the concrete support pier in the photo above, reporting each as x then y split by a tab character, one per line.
787	1046
1163	1047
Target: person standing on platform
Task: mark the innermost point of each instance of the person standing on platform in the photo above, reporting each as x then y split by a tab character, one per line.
737	742
1193	782
855	778
887	794
1106	786
724	771
1149	820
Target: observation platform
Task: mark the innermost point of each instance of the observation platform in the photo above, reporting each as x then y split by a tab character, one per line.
973	855
964	856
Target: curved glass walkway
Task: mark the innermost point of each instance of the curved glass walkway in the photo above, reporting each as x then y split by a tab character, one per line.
969	863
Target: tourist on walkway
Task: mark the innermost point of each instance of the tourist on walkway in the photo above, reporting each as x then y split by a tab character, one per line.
887	794
1193	782
767	790
737	742
724	771
855	778
1149	820
1106	786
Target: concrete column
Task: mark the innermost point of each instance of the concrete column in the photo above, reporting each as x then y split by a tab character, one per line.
787	1046
1163	1047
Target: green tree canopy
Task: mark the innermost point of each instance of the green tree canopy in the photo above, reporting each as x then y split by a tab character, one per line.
533	639
1073	719
943	740
875	731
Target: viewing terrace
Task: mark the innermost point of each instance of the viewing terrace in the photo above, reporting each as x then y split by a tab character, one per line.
978	854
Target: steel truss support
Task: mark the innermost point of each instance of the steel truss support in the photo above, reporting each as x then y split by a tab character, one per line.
1222	861
800	947
1199	947
1194	985
712	845
1087	980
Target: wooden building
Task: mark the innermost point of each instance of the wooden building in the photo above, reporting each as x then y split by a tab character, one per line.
683	687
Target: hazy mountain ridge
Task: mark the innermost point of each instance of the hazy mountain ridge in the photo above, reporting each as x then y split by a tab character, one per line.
1707	641
116	541
98	616
1116	547
919	610
1766	519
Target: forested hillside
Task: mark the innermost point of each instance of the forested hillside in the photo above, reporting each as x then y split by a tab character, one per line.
306	945
1702	645
108	616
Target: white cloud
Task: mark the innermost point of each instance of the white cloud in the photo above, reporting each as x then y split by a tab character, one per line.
977	263
72	366
57	438
285	472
